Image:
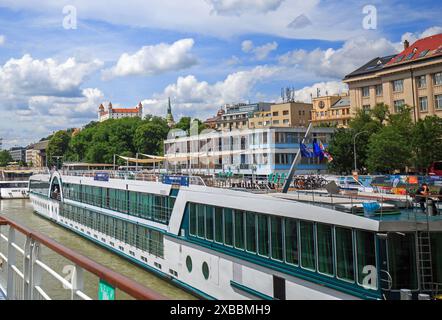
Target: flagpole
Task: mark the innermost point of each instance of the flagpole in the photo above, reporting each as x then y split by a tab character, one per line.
295	162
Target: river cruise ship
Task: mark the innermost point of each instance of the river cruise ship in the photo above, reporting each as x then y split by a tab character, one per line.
14	184
227	244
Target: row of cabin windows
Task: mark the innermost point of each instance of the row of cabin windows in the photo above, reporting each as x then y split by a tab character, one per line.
143	205
39	187
330	250
143	238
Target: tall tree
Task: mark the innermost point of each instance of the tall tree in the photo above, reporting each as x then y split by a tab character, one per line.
5	158
427	142
58	146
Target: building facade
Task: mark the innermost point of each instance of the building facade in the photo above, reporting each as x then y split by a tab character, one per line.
290	114
18	154
250	151
119	113
36	154
412	77
237	116
333	111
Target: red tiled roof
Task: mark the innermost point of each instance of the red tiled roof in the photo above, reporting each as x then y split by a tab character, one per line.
125	110
432	45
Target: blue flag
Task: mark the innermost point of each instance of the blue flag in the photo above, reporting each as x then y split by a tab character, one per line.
317	150
305	153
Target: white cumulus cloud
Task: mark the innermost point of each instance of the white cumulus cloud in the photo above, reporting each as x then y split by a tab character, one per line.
30	77
154	59
336	63
191	96
331	87
260	52
414	36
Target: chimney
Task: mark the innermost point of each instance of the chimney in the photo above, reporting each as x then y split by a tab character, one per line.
406	44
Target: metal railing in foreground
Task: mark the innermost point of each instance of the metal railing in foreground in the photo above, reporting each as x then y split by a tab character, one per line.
24	270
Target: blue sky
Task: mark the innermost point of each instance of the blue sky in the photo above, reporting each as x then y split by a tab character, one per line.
201	53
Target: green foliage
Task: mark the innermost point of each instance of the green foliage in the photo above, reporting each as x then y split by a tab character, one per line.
5	158
341	148
185	123
58	146
98	142
427	141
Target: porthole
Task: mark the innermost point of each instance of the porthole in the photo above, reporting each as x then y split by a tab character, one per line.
205	270
189	263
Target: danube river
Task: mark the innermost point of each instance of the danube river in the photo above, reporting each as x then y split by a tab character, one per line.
21	211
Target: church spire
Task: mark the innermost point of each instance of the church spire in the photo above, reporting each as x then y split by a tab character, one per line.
169	116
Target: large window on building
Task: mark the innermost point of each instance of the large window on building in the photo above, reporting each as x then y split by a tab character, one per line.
398	105
437	78
366	92
421	82
307	245
344	254
379	90
423	104
325	248
398	85
438	101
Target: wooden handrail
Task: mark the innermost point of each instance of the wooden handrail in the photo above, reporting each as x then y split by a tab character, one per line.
115	279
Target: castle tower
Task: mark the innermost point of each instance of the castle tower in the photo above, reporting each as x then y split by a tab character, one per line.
140	110
169	116
100	112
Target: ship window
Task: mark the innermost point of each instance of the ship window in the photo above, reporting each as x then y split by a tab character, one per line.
402	260
263	235
228	227
192	219
251	232
344	254
239	229
325	249
366	253
276	233
291	241
209	222
436	256
219	225
200	218
307	245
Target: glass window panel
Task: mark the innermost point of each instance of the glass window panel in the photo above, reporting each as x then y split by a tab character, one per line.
325	249
192	219
307	245
366	253
209	222
219	225
201	222
402	260
239	229
263	235
228	227
276	234
436	256
291	241
344	254
250	232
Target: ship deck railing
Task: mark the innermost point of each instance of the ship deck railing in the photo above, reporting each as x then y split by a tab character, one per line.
26	275
129	175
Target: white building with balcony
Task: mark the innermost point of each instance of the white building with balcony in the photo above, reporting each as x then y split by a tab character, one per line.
250	151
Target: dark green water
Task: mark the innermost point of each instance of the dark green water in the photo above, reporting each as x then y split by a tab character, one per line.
21	211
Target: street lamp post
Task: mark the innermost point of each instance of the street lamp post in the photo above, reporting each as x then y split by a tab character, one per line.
354	147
